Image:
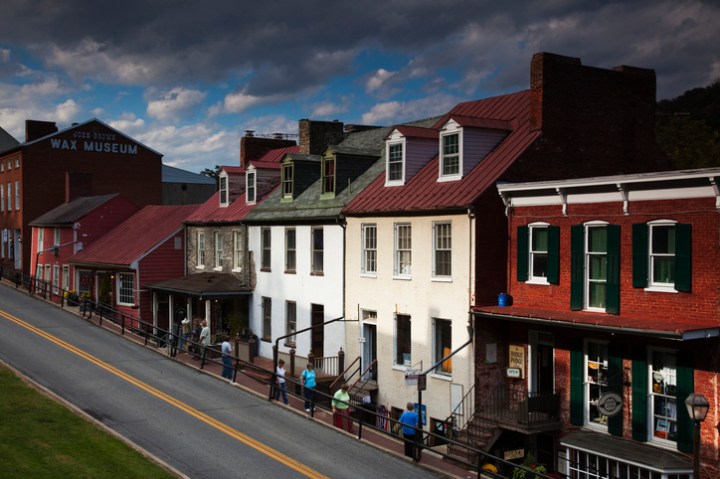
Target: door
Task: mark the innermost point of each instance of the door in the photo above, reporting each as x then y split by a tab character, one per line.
317	337
542	365
370	349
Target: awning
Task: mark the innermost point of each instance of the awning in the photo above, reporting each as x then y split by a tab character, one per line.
209	285
675	328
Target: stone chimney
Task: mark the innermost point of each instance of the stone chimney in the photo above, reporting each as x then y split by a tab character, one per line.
316	135
35	129
254	147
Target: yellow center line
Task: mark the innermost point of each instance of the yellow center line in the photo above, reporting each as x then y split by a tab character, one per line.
234	433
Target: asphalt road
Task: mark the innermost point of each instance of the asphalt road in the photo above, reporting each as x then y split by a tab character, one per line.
198	424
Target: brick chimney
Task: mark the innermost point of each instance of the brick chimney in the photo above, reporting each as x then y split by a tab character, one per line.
35	129
253	147
77	185
316	135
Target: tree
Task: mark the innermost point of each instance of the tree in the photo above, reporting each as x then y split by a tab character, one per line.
212	173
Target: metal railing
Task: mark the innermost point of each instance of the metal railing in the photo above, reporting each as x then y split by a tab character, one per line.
519	409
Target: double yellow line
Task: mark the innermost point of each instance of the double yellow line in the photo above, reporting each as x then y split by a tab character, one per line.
235	434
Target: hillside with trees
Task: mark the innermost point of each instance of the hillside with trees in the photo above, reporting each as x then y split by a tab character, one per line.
688	128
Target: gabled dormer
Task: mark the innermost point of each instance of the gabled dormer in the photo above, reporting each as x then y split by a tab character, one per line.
464	142
407	150
223	188
251	185
297	173
231	184
340	166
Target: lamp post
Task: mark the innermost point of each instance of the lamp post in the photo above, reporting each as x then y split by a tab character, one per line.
697	407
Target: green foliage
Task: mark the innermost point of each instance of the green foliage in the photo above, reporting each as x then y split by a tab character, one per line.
529	463
236	322
212	173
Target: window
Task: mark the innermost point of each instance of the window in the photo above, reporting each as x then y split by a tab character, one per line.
39	271
328	176
17	162
442	245
403	249
65	277
595	267
9	197
126	288
596	382
17	196
318	245
369	249
663	391
267	319
662	256
402	340
2	197
251	187
586	465
290	320
56	237
287	180
41	239
237	250
201	249
56	279
395	162
265	240
450	157
290	252
443	345
223	186
219	253
47	273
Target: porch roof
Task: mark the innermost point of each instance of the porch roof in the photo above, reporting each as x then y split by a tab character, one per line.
204	285
677	328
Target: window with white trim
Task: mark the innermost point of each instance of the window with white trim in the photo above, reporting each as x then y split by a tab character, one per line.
287	181
663	401
662	253
223	187
395	162
582	464
65	277
442	249
290	250
369	248
450	155
251	187
442	337
290	320
403	250
200	249
538	260
17	195
41	239
596	382
237	250
56	279
266	318
126	289
328	176
596	266
219	250
318	250
56	237
9	197
403	342
2	197
265	240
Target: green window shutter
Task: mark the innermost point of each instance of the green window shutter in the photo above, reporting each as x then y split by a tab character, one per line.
639	397
683	257
685	387
577	266
640	255
523	232
615	381
577	391
613	280
554	254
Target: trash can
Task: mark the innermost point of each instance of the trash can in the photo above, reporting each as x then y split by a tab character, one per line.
503	299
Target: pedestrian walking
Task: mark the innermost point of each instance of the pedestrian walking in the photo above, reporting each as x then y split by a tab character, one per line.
226	349
281	387
196	330
408	424
341	408
204	337
307	379
185	332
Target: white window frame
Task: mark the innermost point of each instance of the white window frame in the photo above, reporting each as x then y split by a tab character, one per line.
286	183
588	256
237	251
444	369
533	253
390	146
2	197
402	268
368	247
251	186
65	284
265	248
56	279
223	189
669	379
9	196
290	250
290	321
17	195
317	253
658	285
458	156
598	361
266	318
125	284
442	243
219	250
40	238
200	250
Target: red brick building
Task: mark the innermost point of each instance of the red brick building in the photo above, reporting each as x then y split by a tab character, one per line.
54	166
611	320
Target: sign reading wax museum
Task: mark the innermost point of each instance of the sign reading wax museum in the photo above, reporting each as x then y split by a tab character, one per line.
94	142
517	360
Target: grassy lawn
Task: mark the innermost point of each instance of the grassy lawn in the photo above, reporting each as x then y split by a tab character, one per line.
40	438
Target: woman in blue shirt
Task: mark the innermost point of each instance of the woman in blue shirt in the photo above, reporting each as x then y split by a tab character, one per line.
307	378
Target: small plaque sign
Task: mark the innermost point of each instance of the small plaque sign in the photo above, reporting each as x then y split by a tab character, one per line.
513	373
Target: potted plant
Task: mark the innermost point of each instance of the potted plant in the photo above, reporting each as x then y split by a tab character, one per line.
71	297
530	463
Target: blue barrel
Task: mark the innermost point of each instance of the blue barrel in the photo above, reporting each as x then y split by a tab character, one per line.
502	299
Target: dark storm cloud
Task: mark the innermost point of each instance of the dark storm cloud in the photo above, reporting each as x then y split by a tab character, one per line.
281	47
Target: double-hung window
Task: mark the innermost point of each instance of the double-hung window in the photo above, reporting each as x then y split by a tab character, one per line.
266	318
662	256
237	250
200	249
443	345
538	260
17	195
2	197
290	250
403	341
450	155
9	197
663	395
369	249
219	251
265	239
395	162
596	382
126	288
223	186
318	247
250	187
287	181
56	237
595	267
41	239
403	250
442	249
290	320
328	176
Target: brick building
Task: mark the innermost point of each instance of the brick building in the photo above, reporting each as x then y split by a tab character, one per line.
610	323
55	166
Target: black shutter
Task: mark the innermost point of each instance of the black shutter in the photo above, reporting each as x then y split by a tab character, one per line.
577	390
683	257
612	299
639	396
577	266
522	252
553	254
615	382
640	255
685	386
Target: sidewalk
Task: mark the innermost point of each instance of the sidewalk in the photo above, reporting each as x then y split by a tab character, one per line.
256	382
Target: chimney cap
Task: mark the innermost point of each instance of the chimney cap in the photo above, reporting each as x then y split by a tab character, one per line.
249	132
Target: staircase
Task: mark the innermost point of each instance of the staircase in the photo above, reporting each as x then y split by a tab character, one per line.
478	434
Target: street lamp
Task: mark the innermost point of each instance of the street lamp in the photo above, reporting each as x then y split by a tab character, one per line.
697	407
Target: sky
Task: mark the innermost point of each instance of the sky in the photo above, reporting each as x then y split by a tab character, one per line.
187	78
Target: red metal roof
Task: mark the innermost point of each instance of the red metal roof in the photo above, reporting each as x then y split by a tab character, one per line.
676	327
135	237
424	193
212	212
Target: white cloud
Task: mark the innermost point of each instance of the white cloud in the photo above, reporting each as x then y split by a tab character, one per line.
238	102
174	103
4	55
67	111
330	109
392	112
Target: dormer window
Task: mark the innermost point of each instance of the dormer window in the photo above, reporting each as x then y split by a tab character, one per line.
223	186
395	154
287	181
450	156
328	176
250	187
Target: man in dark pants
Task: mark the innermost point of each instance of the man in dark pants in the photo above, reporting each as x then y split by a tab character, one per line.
409	421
